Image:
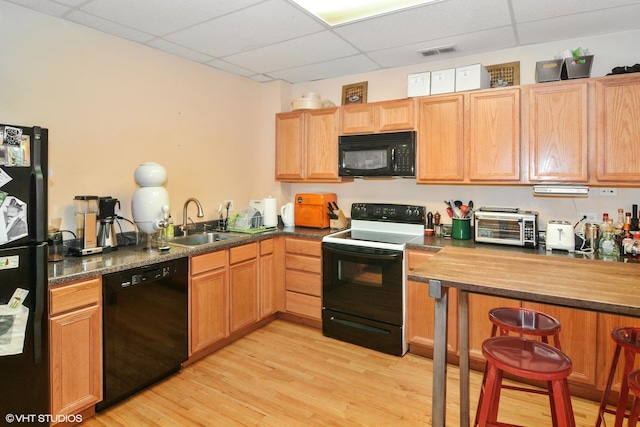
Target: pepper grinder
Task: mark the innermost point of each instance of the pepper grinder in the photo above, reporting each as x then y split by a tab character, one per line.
429	230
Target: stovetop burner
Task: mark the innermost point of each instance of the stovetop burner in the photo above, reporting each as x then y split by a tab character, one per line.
385	226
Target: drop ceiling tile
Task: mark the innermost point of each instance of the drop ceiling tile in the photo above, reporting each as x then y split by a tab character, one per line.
264	24
424	23
174	49
326	70
109	27
580	25
533	10
159	17
225	66
293	53
468	44
44	6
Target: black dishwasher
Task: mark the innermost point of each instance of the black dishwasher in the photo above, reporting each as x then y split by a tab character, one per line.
145	335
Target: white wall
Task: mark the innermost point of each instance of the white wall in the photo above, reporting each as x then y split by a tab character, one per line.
610	50
111	104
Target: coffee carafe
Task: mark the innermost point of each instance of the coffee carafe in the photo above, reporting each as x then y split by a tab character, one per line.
107	238
86	209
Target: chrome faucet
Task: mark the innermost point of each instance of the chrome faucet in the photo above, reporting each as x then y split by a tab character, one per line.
185	215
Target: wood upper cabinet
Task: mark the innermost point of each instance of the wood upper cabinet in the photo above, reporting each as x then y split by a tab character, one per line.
307	146
244	296
558	127
75	322
440	147
618	129
387	116
494	135
470	137
209	303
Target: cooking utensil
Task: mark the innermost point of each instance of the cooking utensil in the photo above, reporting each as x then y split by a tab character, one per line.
335	206
458	203
330	207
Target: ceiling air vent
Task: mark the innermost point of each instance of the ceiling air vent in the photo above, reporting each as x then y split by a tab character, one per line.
438	50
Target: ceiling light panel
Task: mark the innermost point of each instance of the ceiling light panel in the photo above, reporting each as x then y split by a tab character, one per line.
335	12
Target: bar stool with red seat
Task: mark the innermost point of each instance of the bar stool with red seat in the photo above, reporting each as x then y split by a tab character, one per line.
530	359
528	322
633	380
627	338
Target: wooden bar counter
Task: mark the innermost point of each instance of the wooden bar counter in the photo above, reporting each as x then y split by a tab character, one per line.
599	286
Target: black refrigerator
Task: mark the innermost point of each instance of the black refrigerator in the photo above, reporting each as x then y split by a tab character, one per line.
24	335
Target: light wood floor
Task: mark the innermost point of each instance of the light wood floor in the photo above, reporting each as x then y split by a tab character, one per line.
290	375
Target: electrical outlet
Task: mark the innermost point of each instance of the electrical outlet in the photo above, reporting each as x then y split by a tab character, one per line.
230	204
592	217
608	191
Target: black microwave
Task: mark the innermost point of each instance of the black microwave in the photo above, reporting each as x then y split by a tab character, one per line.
378	155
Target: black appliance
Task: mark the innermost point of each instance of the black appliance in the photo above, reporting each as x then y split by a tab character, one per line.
378	155
24	333
364	271
145	335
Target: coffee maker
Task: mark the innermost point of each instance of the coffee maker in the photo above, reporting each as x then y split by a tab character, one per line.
86	210
107	238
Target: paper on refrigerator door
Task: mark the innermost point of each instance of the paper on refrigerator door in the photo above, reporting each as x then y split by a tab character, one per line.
13	326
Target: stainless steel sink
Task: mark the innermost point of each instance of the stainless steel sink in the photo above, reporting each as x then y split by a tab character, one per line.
200	239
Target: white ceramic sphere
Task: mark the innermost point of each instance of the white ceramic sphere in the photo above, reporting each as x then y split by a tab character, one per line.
150	174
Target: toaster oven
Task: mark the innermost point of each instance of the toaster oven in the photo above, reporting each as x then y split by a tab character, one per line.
506	226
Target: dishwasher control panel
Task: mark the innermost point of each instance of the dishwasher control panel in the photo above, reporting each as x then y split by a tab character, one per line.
147	274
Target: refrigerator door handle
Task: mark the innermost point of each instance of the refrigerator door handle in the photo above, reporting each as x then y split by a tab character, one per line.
39	151
41	295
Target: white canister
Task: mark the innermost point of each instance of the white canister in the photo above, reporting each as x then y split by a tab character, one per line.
287	214
270	215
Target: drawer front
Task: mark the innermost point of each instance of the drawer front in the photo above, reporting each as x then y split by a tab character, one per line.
210	261
303	263
306	283
243	253
73	296
304	304
266	247
304	247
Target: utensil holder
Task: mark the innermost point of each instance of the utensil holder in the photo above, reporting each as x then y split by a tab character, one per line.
461	228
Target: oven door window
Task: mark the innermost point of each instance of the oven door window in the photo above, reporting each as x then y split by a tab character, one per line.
500	229
364	282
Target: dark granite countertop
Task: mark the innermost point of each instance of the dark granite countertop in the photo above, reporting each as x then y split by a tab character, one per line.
125	257
75	268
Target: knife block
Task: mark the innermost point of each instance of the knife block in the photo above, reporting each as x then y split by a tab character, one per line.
341	222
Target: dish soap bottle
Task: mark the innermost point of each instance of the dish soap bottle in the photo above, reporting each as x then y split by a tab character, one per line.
608	245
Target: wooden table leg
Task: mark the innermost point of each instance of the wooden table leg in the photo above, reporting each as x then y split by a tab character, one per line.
439	399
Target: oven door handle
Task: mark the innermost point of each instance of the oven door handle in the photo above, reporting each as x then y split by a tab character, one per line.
378	254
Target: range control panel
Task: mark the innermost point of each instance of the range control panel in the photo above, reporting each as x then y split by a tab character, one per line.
408	214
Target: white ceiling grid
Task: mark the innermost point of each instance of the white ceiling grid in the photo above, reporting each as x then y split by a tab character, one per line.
275	39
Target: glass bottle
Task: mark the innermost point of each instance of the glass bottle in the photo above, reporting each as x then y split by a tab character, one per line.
617	227
608	245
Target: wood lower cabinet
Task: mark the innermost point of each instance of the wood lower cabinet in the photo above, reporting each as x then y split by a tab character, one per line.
75	339
307	146
386	116
244	295
267	281
209	300
421	312
558	132
303	278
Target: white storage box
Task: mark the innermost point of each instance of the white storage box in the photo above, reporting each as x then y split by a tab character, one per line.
472	77
419	84
443	81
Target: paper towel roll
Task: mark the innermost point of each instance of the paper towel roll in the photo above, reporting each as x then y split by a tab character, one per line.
270	215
